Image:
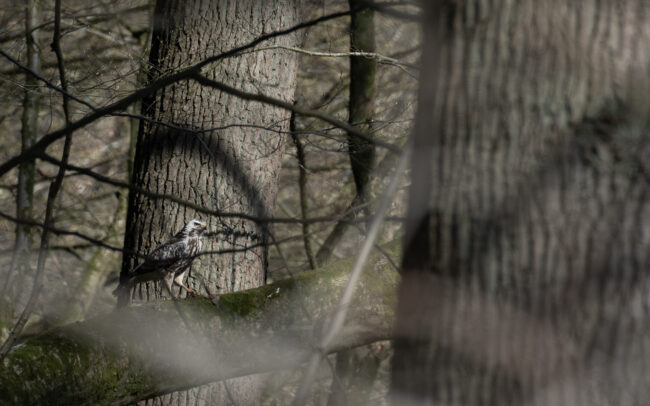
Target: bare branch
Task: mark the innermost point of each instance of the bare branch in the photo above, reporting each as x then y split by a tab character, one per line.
59	231
101	243
302	186
346	298
297	109
202	209
157	84
51	197
370	55
94	18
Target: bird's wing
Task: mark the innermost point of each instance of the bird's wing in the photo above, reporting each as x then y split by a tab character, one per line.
163	256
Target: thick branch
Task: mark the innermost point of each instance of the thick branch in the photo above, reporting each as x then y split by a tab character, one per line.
139	352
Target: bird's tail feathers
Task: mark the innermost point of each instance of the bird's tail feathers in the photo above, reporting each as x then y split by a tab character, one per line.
126	283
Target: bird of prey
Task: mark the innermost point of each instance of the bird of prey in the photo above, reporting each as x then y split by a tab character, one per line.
170	260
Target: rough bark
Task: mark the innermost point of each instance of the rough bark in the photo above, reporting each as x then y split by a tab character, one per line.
220	162
232	169
528	244
141	351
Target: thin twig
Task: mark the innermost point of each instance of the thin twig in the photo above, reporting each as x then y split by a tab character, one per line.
179	310
346	297
198	207
97	242
370	55
335	376
379	248
156	85
96	18
51	198
302	185
303	111
29	130
59	231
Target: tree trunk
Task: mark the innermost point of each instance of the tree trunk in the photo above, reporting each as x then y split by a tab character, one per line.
219	160
97	268
19	267
356	368
361	109
528	240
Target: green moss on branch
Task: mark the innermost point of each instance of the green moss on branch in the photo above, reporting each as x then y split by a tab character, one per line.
141	351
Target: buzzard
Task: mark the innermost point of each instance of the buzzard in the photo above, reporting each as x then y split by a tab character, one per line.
170	260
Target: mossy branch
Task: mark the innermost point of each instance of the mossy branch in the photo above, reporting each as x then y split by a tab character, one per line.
142	351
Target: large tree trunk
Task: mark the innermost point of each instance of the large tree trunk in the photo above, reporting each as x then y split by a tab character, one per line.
231	169
528	242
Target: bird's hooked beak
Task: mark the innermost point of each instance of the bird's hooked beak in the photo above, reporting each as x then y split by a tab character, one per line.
203	225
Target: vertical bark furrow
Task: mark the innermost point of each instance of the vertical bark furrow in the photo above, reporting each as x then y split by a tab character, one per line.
541	214
239	171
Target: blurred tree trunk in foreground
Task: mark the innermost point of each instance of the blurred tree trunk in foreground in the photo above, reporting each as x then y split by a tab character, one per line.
231	169
528	241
